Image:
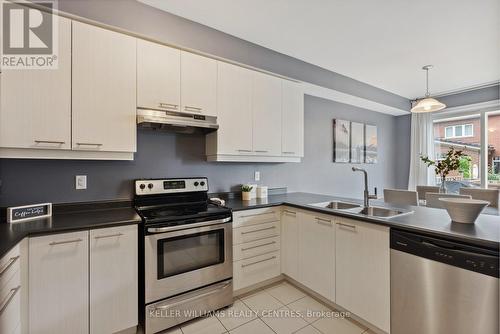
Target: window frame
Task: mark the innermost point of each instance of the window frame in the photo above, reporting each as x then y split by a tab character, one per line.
454	131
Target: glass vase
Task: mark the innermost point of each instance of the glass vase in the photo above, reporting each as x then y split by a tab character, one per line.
442	187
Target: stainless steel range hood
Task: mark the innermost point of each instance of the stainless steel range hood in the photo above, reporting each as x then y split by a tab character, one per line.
176	121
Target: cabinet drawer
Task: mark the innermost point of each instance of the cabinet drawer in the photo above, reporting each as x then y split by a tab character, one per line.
9	265
10	305
258	216
254	248
255	232
256	269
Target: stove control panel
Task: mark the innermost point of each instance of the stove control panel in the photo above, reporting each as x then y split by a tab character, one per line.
169	186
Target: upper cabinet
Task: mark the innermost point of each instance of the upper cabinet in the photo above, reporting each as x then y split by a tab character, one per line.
104	90
266	114
35	105
198	84
234	106
292	119
158	76
250	114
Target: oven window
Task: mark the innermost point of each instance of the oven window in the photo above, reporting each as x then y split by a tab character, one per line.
190	252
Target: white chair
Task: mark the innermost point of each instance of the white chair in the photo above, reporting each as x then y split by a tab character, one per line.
490	195
401	197
432	199
423	190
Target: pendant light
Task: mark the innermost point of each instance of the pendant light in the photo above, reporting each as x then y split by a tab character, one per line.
427	104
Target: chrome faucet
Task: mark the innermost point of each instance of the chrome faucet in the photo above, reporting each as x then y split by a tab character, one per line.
366	193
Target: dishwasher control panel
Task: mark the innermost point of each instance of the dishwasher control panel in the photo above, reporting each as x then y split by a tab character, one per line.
481	260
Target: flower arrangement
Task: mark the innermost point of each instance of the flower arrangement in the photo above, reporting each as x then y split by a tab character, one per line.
443	167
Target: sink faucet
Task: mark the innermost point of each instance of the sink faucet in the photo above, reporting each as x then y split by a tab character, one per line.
366	193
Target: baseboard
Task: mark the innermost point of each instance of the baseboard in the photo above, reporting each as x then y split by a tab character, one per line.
258	286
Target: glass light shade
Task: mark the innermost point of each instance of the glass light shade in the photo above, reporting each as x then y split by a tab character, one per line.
428	104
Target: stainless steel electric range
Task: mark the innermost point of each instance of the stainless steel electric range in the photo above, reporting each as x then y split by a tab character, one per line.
186	246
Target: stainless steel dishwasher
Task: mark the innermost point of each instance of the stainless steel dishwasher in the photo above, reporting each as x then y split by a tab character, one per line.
442	287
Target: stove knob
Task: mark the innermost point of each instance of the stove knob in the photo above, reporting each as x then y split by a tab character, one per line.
202	183
196	184
150	186
142	186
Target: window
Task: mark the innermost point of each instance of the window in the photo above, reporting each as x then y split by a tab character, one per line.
493	134
461	130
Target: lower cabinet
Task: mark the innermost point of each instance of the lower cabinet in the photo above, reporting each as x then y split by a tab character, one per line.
59	283
72	273
317	253
12	287
290	243
256	247
363	270
113	279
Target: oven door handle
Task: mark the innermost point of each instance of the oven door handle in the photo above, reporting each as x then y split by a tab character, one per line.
215	289
187	226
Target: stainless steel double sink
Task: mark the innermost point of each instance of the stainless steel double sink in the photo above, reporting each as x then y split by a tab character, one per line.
371	211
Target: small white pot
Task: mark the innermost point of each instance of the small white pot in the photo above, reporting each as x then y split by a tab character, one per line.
246	195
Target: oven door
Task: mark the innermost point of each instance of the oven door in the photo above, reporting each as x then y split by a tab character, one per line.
184	260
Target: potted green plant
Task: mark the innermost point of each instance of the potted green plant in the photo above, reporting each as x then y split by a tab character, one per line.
245	192
451	162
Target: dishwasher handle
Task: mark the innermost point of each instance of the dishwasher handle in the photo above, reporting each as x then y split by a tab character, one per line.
458	254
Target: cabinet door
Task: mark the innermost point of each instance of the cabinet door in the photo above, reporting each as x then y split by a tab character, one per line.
113	279
59	284
266	114
363	271
104	90
234	104
198	84
158	76
292	119
35	107
290	243
317	254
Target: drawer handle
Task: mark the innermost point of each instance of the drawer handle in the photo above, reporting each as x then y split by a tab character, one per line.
352	227
49	142
12	260
266	244
257	214
256	262
195	109
241	150
322	221
55	243
288	152
261	151
262	229
290	212
11	295
108	236
89	144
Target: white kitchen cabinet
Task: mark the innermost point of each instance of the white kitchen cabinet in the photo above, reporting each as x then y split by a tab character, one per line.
266	114
158	76
35	105
290	243
234	112
113	279
12	287
292	119
104	90
317	253
198	84
59	284
363	270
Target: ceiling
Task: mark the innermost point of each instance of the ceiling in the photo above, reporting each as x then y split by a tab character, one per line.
383	43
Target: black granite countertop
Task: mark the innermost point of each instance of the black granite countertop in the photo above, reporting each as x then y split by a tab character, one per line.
485	232
68	218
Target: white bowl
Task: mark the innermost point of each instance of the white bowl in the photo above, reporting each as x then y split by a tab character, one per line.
463	210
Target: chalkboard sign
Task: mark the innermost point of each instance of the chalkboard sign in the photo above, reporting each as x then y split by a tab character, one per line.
28	212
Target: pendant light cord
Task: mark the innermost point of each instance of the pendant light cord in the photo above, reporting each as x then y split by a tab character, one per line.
427	94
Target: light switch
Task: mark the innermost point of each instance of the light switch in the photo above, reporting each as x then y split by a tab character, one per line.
257	175
81	182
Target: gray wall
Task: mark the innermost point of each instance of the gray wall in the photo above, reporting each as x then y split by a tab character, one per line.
163	154
474	96
144	20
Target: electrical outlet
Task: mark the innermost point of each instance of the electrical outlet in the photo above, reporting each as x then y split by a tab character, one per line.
81	182
257	176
